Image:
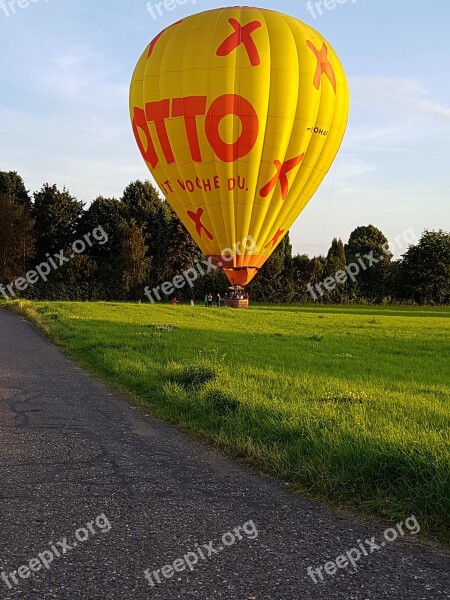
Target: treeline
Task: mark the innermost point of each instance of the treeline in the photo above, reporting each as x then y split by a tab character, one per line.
147	245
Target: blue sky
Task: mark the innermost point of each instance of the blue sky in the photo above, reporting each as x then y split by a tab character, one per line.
66	65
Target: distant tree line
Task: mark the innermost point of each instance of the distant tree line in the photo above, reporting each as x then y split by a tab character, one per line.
147	245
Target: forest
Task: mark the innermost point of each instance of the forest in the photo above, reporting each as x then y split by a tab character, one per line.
145	245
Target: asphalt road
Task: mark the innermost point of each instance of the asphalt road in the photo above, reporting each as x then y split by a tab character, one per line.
130	493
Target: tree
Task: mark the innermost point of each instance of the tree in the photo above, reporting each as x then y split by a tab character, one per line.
16	238
135	263
181	250
142	203
301	276
369	246
424	273
108	214
76	280
318	275
148	244
57	215
13	187
335	261
274	282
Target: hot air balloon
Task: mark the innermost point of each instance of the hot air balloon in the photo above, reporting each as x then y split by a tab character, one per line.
239	113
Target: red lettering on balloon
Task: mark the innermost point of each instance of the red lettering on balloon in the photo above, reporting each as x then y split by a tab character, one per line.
190	108
140	122
158	112
231	104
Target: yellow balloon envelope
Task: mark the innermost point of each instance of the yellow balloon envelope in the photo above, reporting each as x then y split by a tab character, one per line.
239	114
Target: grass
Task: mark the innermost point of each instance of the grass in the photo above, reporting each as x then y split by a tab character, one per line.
348	404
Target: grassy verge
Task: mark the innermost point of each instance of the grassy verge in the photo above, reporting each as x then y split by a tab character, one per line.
348	404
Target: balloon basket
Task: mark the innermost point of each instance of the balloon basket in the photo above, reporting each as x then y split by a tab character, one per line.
236	303
238	298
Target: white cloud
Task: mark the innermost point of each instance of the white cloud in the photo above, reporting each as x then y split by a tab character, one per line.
348	168
401	98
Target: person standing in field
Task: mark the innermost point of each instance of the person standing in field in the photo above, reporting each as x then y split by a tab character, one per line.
192	302
210	299
219	300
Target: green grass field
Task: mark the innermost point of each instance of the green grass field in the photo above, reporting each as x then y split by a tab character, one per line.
348	404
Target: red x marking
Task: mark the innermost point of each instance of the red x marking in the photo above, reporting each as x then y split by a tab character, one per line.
323	66
275	238
241	35
281	176
197	218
